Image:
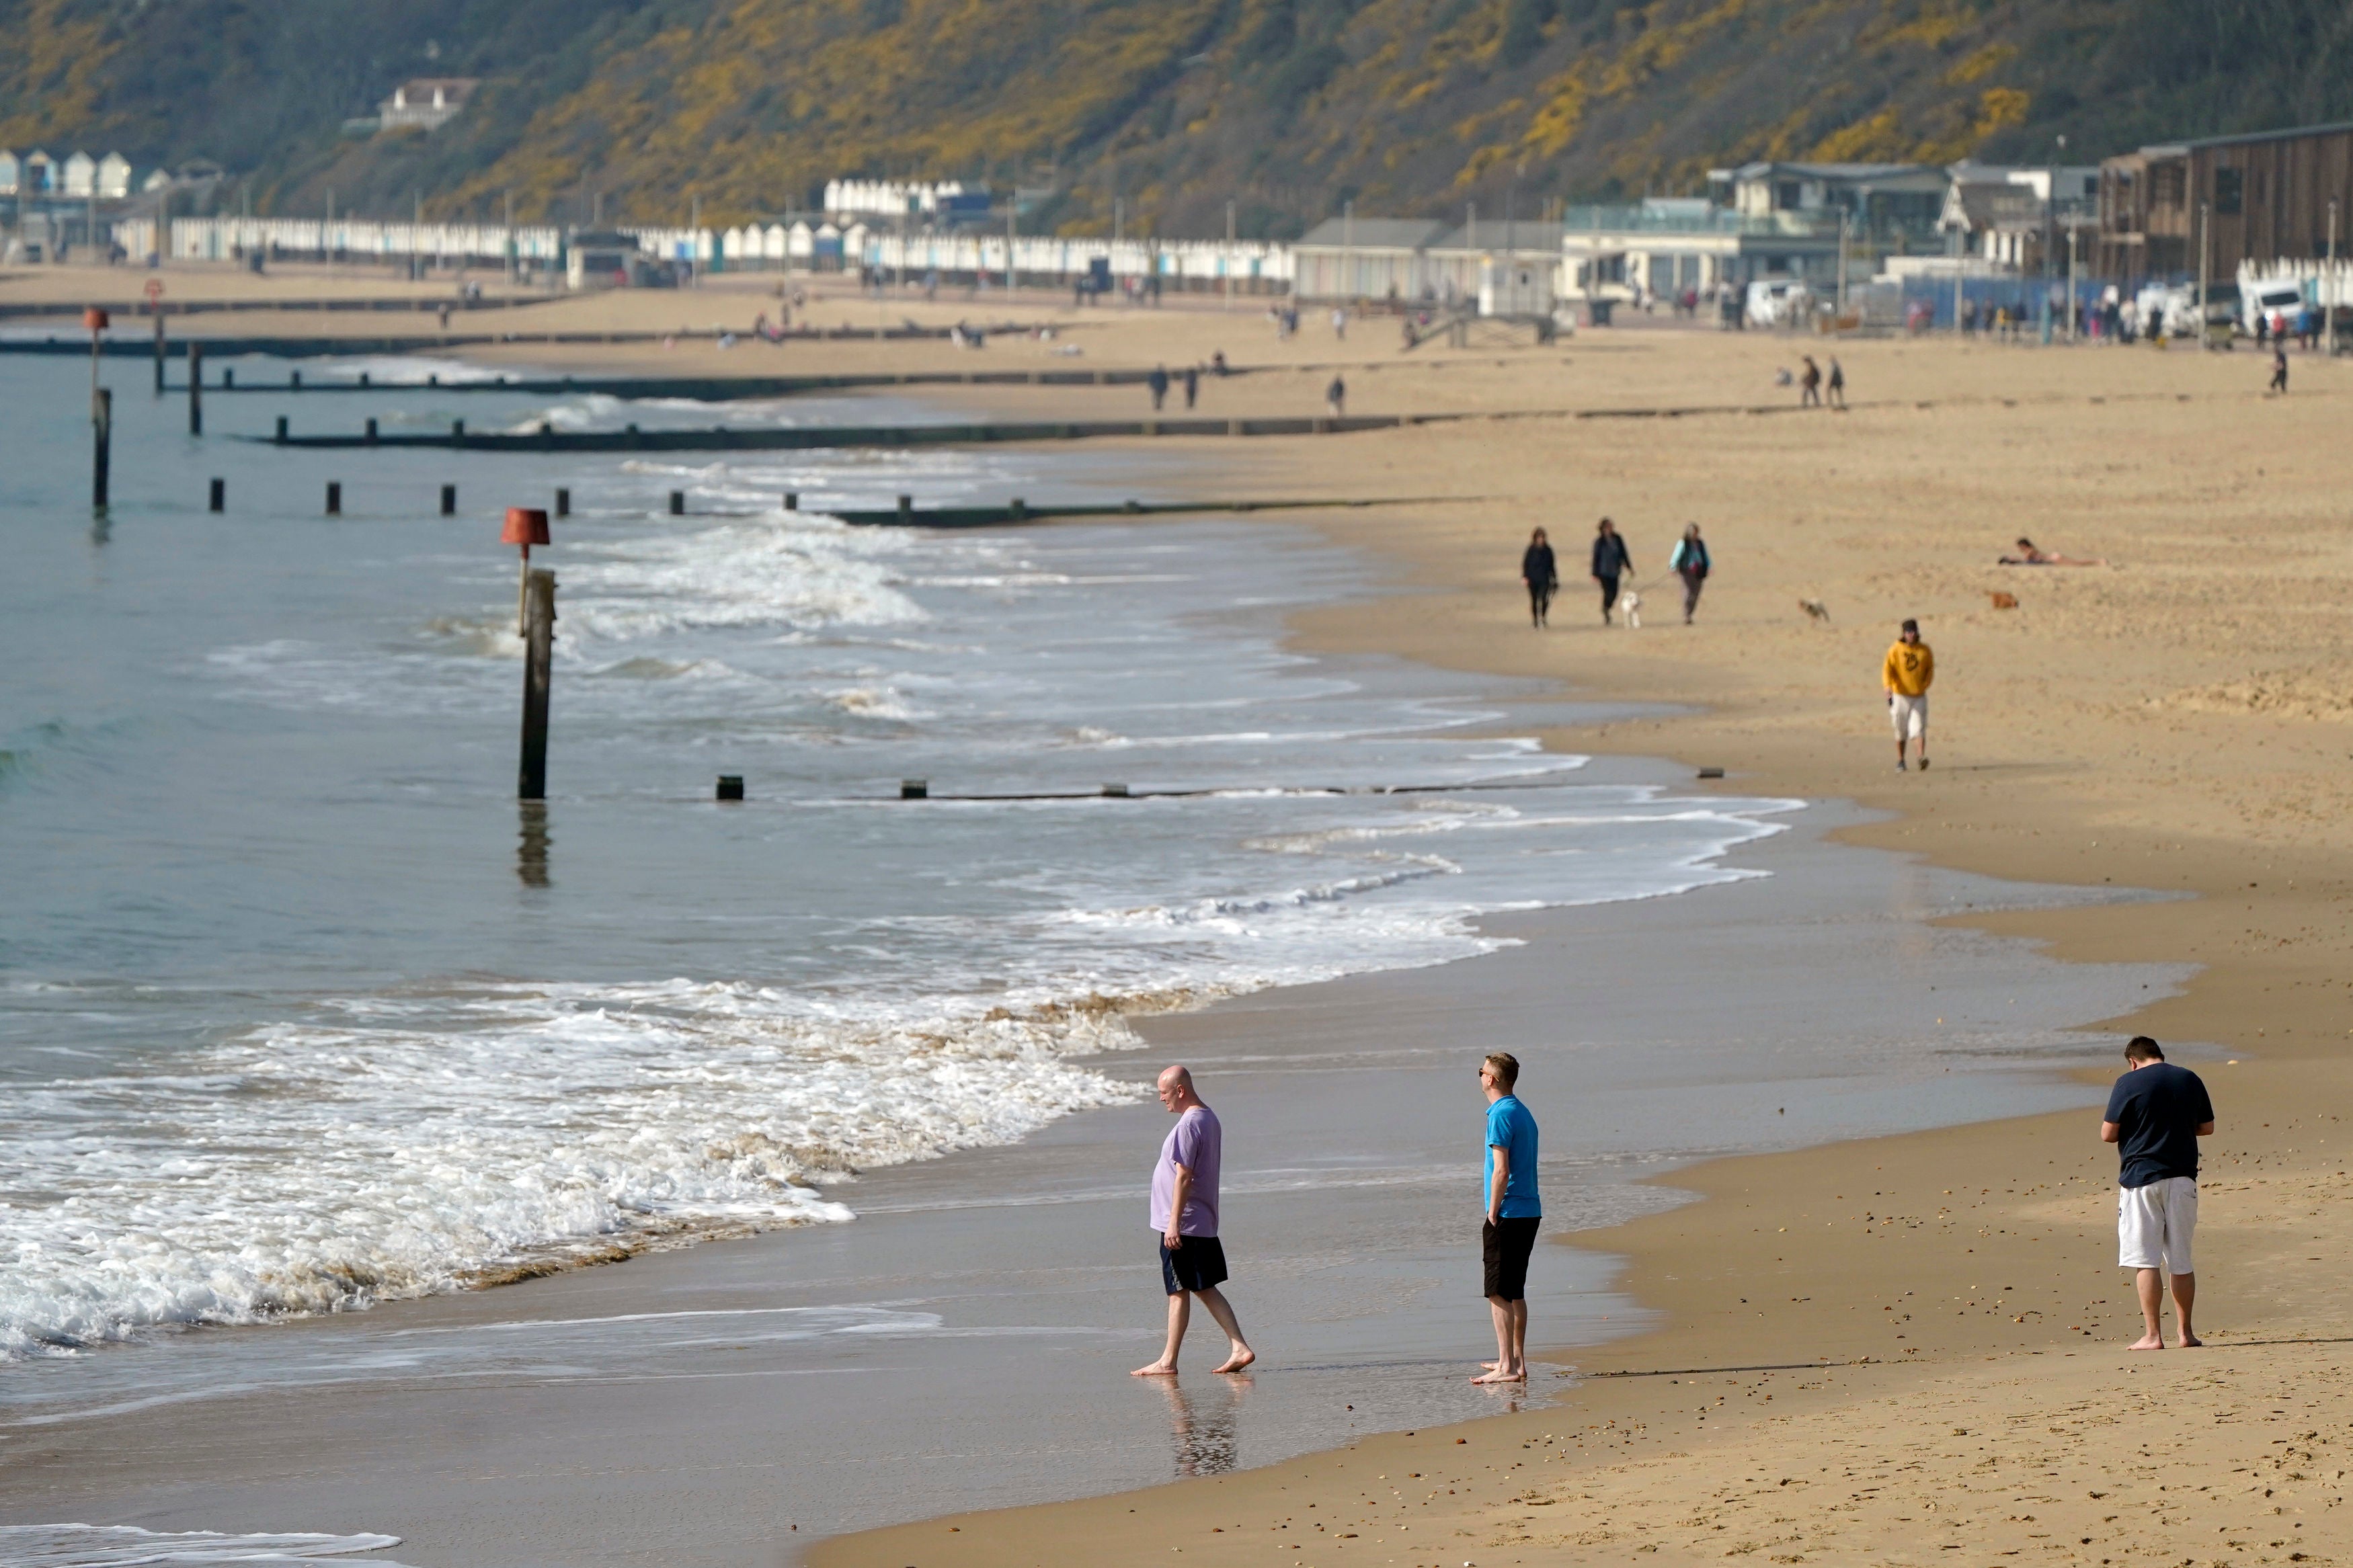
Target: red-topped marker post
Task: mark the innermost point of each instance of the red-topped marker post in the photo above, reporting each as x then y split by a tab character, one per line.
526	526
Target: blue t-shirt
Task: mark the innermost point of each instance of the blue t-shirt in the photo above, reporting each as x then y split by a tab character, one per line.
2158	1110
1512	1129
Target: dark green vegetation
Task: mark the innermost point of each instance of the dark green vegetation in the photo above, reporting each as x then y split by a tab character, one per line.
1288	107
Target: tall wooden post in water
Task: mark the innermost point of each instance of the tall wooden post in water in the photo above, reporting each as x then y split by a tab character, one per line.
539	650
195	389
101	432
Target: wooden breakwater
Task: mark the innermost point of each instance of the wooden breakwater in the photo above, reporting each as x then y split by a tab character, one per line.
703	388
546	439
128	309
289	346
1021	512
812	437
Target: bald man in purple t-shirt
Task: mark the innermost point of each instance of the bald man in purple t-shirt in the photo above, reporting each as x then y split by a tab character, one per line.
1184	1213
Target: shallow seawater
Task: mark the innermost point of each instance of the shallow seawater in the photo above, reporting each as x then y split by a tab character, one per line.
300	1011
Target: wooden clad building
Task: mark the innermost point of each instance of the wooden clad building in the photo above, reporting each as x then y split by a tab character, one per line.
2269	196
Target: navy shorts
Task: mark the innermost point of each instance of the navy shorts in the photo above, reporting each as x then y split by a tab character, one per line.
1505	1245
1195	1266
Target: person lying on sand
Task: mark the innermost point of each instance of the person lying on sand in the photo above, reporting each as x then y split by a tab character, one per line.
2028	555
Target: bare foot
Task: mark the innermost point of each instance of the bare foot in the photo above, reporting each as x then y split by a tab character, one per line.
1235	1361
1158	1369
2191	1342
1500	1375
2147	1343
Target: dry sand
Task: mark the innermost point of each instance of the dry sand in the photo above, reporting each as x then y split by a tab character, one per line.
1905	1351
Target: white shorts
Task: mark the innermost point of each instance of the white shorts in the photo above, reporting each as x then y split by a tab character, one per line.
1909	714
2155	1224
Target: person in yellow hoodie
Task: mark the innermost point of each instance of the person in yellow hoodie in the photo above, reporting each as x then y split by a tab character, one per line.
1907	673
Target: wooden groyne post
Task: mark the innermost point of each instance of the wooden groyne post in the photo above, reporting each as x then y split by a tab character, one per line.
195	389
101	432
539	650
159	350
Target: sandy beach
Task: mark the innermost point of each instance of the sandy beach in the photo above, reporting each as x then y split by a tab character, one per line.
1855	1351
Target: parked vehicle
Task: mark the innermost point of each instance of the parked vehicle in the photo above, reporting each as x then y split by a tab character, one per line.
1778	301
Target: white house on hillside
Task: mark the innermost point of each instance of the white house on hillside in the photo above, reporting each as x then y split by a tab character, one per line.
425	102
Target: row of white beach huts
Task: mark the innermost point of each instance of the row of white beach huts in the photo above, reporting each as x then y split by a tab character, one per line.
1251	264
77	175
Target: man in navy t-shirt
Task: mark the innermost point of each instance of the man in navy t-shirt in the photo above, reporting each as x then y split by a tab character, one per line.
1513	1213
2156	1114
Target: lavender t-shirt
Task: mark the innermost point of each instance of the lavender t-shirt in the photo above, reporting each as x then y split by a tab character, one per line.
1196	1142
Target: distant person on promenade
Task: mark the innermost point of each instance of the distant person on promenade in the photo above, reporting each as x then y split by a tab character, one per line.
1541	574
1809	384
1184	1213
2156	1114
1513	1211
2279	371
1158	382
1611	561
1192	385
1691	563
1339	322
1335	398
1838	383
1907	672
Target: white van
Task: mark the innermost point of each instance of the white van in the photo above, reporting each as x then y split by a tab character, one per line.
2285	296
1775	302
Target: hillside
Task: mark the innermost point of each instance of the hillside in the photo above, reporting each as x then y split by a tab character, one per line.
1286	107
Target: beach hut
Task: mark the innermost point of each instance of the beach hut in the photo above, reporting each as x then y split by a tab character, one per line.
114	176
11	172
81	174
40	173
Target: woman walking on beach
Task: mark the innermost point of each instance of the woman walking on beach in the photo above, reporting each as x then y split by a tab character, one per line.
1538	570
1611	561
1691	563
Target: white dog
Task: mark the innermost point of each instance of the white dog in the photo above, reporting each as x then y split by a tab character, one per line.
1632	603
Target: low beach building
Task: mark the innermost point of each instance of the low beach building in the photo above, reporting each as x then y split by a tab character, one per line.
1668	248
2173	210
2009	215
1888	204
1371	259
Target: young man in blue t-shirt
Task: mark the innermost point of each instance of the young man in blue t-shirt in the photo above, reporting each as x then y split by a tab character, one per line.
1513	1211
2156	1114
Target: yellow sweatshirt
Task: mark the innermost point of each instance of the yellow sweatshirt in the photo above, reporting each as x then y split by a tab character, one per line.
1909	669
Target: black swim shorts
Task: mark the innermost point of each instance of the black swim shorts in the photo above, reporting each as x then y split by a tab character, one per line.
1505	1245
1195	1266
